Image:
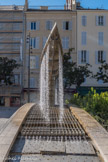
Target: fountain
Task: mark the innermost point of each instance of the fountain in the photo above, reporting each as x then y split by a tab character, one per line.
51	74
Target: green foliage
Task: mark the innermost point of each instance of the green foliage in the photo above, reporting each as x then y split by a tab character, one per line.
94	103
102	74
6	69
73	74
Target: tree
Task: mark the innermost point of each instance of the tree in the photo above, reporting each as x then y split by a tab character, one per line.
102	74
6	69
73	74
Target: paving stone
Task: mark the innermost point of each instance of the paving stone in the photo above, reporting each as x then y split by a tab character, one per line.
52	158
95	131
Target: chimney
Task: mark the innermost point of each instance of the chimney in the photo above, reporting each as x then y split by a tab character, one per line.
71	5
26	5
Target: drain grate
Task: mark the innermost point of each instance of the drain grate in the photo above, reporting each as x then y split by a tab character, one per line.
36	126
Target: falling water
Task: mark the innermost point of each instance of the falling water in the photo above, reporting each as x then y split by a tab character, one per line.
61	94
44	85
47	84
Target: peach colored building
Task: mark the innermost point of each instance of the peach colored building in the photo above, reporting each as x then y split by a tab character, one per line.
38	24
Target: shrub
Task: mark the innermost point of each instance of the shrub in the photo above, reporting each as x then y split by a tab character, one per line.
94	103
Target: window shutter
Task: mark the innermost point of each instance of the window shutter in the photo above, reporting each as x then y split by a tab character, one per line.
37	62
79	57
104	56
70	25
84	20
104	21
34	43
100	38
83	39
63	42
37	42
44	41
96	20
67	43
37	25
87	57
64	25
96	57
28	25
48	25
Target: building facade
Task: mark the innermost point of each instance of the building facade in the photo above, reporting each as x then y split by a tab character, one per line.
92	38
38	24
23	34
11	29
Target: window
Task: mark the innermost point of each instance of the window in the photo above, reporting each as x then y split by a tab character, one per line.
100	20
67	25
44	41
37	62
100	38
100	56
34	62
83	57
32	82
17	79
65	42
84	20
83	38
34	42
48	25
35	25
37	42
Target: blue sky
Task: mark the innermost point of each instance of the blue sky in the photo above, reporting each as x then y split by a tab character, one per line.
85	3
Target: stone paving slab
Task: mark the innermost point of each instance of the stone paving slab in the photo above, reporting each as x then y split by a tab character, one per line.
79	147
12	129
95	131
53	158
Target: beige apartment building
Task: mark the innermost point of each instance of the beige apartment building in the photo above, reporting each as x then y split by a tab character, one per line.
92	43
11	29
24	31
38	25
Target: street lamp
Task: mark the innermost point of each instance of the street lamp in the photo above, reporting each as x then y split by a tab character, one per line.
30	47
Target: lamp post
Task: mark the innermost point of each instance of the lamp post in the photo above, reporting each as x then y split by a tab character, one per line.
30	47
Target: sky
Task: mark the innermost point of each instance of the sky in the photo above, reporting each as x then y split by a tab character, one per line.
103	4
